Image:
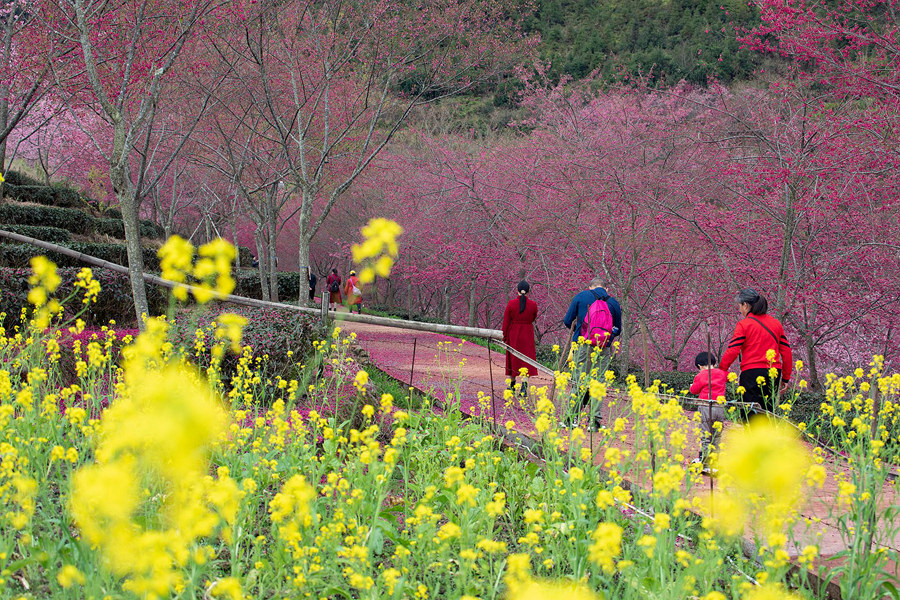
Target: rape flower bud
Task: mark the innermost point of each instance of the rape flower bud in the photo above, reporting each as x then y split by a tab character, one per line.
361	380
69	575
606	546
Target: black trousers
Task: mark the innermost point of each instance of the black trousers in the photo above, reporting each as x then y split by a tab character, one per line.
312	294
767	395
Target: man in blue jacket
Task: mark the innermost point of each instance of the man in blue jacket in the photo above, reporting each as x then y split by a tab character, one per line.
587	357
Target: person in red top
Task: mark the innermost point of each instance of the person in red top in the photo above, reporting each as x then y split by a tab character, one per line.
760	341
333	284
709	384
518	333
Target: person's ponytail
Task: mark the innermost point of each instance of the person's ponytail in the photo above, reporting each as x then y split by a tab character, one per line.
758	303
523	288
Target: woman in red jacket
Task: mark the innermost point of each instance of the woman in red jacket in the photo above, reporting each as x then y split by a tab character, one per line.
518	332
762	345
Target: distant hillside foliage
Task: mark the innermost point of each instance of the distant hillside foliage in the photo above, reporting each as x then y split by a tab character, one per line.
692	40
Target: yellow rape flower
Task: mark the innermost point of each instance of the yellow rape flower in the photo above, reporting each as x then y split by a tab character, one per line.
228	588
541	590
69	575
767	459
769	591
606	546
230	326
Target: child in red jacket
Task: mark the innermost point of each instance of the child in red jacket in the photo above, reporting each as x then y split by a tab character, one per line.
709	384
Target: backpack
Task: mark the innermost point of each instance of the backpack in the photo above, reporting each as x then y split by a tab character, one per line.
335	286
598	324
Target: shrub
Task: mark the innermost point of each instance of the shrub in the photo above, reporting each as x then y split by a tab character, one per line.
70	219
109	306
151	230
114	227
68	198
17	178
40	194
248	285
47	234
271	332
111	227
246	256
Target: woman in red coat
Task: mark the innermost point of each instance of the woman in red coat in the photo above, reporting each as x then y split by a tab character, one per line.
334	289
518	331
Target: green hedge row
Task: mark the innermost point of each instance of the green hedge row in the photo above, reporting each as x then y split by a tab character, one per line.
54	235
20	255
288	285
116	228
113	303
71	219
25	189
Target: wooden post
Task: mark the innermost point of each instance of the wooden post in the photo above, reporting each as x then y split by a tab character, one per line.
412	368
323	310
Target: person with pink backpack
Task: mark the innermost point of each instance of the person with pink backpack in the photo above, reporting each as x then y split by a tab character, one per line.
597	317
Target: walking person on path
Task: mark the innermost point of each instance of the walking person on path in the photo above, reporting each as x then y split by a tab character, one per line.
353	293
597	317
334	289
518	333
766	359
709	384
312	284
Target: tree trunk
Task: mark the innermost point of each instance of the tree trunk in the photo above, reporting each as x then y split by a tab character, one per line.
814	382
9	23
784	262
234	238
133	247
305	269
261	264
447	304
472	305
120	178
624	345
409	299
304	239
389	294
273	252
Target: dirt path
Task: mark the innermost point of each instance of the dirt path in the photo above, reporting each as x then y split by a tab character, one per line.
456	370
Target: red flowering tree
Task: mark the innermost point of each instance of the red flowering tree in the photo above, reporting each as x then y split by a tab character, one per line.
118	59
330	84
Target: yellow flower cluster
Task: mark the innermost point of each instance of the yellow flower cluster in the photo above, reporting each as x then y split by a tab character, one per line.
378	251
44	281
210	276
158	434
762	467
85	280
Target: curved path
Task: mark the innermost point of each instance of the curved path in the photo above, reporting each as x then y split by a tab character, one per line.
454	370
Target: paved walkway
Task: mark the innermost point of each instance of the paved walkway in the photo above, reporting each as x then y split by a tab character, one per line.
458	371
